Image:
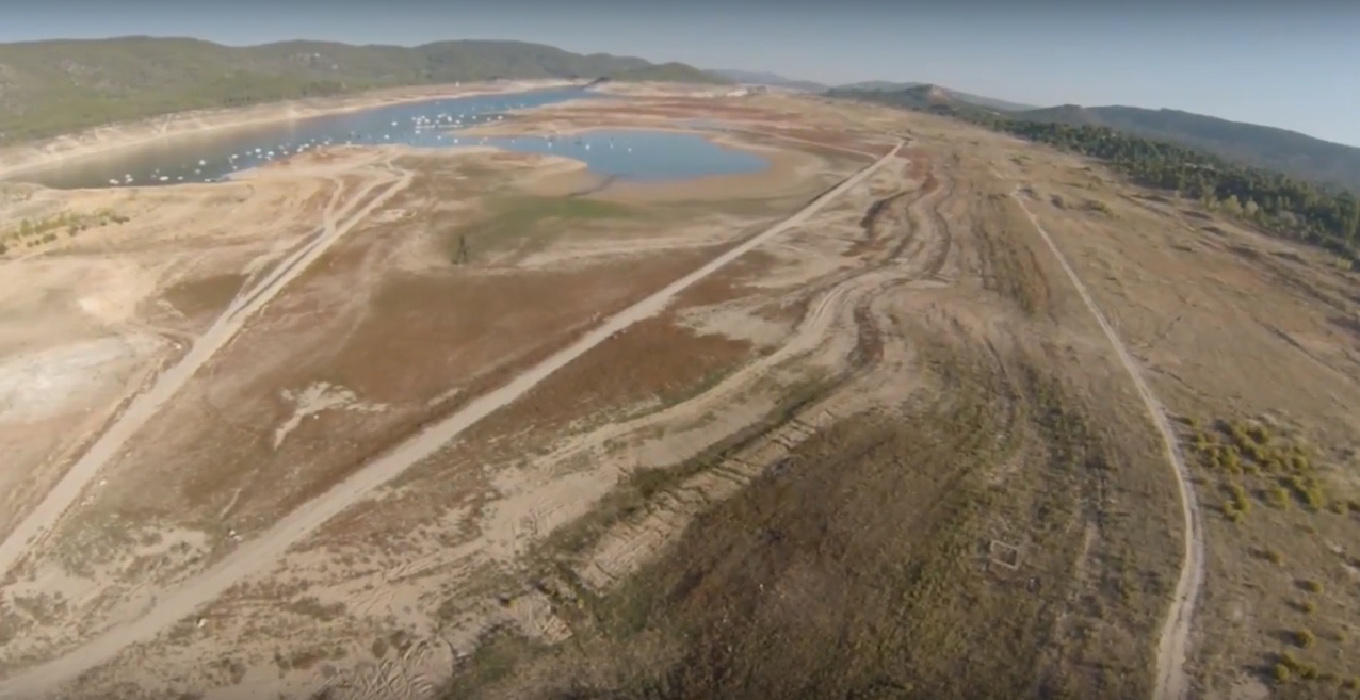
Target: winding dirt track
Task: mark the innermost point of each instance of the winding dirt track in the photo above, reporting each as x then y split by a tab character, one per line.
44	517
1175	636
255	555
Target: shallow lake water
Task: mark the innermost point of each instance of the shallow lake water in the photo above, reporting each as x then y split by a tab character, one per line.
213	156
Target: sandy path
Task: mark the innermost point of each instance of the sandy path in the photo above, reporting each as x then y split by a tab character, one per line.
267	548
144	406
1175	637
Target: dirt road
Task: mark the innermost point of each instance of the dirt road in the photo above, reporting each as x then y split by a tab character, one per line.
42	519
1172	645
264	550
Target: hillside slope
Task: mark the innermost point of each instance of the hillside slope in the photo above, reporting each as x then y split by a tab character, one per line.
920	95
1285	205
52	87
767	78
1287	151
668	72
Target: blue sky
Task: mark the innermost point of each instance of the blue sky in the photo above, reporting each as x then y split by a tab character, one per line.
1295	65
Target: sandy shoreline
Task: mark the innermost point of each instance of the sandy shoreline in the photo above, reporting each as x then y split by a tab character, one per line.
782	164
128	135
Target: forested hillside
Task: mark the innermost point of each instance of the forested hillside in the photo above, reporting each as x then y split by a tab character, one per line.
1288	206
52	87
1287	151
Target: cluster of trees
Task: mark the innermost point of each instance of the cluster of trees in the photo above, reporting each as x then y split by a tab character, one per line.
31	232
1286	206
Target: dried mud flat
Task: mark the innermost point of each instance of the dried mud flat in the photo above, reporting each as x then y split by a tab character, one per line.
380	423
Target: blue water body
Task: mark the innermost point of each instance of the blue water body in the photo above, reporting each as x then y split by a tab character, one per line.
215	155
640	156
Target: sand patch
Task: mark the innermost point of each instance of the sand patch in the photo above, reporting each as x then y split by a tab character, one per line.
40	385
311	401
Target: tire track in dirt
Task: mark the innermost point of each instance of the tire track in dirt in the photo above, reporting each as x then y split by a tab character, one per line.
253	556
627	544
1173	643
140	409
243	303
942	240
927	243
847	305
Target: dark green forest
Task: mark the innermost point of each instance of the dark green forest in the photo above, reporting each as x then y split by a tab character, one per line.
1284	205
1289	207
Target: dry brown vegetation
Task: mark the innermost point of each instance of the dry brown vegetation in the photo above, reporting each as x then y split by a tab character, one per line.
962	514
888	453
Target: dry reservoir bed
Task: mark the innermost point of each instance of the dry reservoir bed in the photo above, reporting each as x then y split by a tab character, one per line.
386	423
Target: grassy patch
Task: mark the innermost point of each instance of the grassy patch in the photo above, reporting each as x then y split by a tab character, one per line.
528	222
634	494
863	570
1295	530
204	295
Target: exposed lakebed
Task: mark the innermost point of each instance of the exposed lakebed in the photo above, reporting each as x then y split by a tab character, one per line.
638	155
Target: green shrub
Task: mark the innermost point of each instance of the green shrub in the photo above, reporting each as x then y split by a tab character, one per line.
1304	639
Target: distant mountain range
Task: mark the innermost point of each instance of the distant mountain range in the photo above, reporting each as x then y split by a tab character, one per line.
776	80
59	86
1281	150
930	91
772	79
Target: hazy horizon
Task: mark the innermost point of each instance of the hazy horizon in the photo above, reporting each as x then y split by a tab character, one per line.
1283	66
